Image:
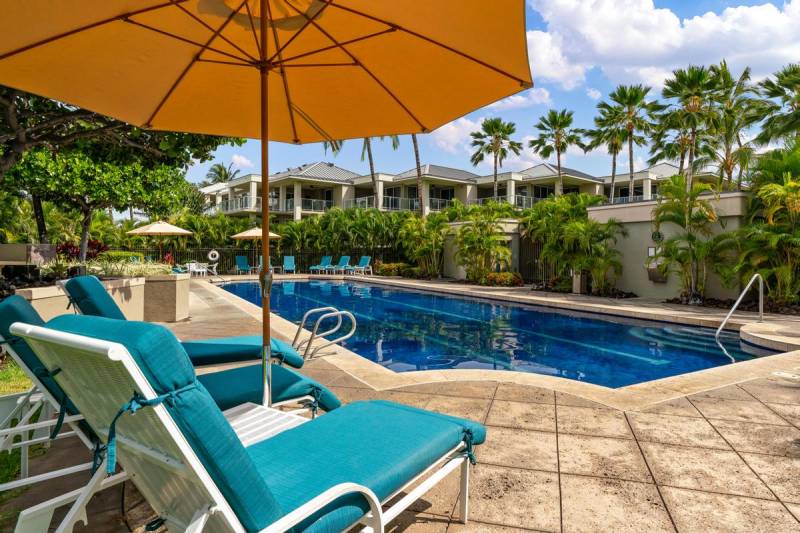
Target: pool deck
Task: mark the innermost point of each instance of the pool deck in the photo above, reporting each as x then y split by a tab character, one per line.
719	458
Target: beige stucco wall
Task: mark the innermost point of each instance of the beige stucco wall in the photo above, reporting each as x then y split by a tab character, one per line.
451	267
637	220
166	298
52	301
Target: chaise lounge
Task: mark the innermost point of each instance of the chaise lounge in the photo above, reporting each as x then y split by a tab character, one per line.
201	470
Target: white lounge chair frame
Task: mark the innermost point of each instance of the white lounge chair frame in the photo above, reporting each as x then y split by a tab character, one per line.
36	400
164	467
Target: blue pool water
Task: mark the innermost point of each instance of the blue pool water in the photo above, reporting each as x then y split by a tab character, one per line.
412	330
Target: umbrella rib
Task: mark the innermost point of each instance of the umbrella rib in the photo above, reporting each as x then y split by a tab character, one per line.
253	29
222	62
191	64
300	65
284	79
88	27
363	67
465	55
311	122
183	39
280	50
211	29
331	47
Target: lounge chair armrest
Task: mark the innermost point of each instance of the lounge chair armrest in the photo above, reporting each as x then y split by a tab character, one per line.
321	500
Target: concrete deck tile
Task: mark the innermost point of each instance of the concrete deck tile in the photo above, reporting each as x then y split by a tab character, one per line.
790	413
524	393
774	390
410	522
519	415
591	505
563	398
781	474
471	408
519	448
736	410
680	430
760	438
703	469
702	512
473	526
348	395
407	398
602	457
794	509
730	392
591	421
677	407
515	498
441	499
468	389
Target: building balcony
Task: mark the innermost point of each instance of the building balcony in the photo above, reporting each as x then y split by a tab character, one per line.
310	204
439	204
243	204
364	202
395	203
633	199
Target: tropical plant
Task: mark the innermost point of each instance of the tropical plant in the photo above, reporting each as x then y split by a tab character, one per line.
415	144
782	109
691	211
608	132
423	239
494	140
692	89
219	173
556	135
590	245
481	245
635	118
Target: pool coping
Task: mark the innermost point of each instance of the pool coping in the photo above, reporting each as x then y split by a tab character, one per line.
630	397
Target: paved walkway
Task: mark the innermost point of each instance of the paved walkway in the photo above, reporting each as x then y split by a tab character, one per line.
721	460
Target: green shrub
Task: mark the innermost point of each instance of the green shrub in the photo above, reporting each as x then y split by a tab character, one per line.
503	279
414	272
391	269
122	255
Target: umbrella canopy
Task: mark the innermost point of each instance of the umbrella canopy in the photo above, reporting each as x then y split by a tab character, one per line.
159	228
316	69
252	234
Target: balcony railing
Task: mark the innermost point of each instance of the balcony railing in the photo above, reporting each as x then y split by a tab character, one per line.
496	199
395	203
525	202
309	204
439	204
243	203
634	199
365	202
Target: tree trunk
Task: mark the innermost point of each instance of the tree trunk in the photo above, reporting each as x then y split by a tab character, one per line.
741	168
613	177
130	213
690	164
419	170
495	176
630	166
86	223
368	142
560	177
41	224
682	161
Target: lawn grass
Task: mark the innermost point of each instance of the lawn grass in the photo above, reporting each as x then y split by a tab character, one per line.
12	378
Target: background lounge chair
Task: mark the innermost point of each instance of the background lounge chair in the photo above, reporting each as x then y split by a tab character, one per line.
243	265
344	262
343	467
362	267
288	264
323	264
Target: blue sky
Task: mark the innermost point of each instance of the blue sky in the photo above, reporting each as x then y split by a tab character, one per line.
579	51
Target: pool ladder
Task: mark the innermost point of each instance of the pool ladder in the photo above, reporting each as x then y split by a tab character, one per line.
307	345
736	305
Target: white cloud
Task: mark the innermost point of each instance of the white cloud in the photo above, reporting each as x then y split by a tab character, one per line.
240	161
454	136
632	41
532	97
593	93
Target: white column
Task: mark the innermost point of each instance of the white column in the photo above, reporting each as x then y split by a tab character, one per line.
298	201
511	191
557	188
282	198
379	194
471	194
647	188
253	194
426	194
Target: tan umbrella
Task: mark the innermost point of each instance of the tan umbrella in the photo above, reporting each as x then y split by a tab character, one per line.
317	69
252	234
159	228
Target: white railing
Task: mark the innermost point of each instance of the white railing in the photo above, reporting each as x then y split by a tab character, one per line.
243	203
525	202
395	203
634	199
739	300
439	204
309	204
496	199
365	202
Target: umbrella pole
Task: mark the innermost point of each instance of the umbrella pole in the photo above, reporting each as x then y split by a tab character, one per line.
265	275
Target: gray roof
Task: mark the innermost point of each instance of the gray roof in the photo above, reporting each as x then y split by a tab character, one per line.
439	171
567	171
320	170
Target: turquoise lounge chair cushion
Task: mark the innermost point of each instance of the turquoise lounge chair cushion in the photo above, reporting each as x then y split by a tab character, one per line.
245	384
231	349
381	445
89	295
167	367
91	298
17	309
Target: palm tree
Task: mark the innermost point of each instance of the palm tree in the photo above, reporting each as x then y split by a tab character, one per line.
219	173
556	134
494	139
669	140
481	244
608	132
783	116
366	150
419	170
635	116
692	89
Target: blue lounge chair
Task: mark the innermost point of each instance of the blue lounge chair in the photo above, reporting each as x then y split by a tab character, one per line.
324	475
323	264
343	263
243	265
288	264
362	267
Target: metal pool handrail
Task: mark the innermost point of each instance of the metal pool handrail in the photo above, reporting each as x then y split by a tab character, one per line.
309	352
739	300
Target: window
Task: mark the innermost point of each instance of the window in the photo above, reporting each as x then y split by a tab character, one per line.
542	191
444	193
329	195
411	192
570	190
392	191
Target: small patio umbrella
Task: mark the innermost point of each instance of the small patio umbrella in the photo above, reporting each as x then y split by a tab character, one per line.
254	234
319	70
159	228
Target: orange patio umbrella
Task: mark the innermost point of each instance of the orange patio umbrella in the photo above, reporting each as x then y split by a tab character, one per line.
314	70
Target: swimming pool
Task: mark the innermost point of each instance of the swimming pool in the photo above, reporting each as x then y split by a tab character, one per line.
409	330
